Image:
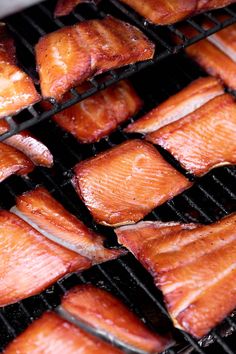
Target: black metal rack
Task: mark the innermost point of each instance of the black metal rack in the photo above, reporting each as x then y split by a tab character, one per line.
211	197
29	25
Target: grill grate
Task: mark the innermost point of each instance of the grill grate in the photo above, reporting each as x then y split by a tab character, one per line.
211	197
29	25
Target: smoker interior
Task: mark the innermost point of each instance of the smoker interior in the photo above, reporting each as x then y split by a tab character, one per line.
211	198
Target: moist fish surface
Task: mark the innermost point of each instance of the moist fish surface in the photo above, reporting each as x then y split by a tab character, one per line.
51	334
97	116
46	214
204	139
29	262
177	106
103	312
123	184
36	151
12	162
193	265
64	7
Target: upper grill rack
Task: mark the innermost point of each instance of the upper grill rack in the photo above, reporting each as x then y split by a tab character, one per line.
29	25
210	199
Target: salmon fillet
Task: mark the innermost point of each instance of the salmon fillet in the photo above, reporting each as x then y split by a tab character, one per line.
12	162
69	56
36	151
63	62
64	7
99	115
29	263
205	5
194	267
208	133
17	90
123	184
51	334
51	219
101	311
214	61
177	106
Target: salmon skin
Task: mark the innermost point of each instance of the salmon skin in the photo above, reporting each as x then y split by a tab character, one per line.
50	218
213	60
17	90
12	162
177	106
69	56
38	261
105	314
65	7
164	12
194	266
36	151
204	139
123	184
51	334
97	116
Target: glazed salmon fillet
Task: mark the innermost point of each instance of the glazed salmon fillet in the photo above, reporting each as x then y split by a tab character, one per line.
177	106
65	7
194	267
51	334
50	218
214	61
101	311
204	139
36	151
17	90
99	115
69	56
205	5
29	262
123	184
12	162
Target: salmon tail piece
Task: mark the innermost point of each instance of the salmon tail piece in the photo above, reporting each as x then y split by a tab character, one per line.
65	7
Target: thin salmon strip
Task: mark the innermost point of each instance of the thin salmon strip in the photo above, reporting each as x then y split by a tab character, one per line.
7	46
50	218
29	262
51	334
214	61
177	106
100	114
36	151
63	62
101	311
123	184
204	139
12	162
107	41
194	267
65	7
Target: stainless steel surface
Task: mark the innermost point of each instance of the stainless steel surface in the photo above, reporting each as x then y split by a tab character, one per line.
8	7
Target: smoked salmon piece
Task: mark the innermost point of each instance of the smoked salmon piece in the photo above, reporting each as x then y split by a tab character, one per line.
204	139
194	267
177	106
51	334
12	162
65	7
17	90
107	41
214	61
101	311
36	151
63	62
164	12
69	56
99	115
50	218
123	184
29	262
